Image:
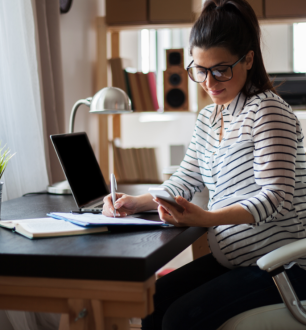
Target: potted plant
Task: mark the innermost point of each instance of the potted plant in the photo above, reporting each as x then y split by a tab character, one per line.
5	156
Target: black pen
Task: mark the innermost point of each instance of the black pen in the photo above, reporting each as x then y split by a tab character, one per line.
82	212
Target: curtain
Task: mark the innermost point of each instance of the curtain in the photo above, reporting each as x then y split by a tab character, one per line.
20	102
47	21
31	108
15	320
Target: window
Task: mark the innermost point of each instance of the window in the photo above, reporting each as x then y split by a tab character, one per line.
299	47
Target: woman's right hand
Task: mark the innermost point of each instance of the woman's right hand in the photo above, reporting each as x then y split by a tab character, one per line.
125	205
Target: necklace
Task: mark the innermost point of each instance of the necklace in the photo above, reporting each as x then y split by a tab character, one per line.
222	125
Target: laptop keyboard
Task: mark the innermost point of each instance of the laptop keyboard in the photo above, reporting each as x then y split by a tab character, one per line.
96	208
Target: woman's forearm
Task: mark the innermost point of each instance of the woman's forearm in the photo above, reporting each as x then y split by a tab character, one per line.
230	215
195	216
146	203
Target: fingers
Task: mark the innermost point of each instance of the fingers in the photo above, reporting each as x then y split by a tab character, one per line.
167	218
182	201
120	200
124	205
169	207
169	213
109	212
164	215
108	207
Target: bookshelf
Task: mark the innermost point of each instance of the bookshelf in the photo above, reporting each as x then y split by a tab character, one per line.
113	129
110	128
262	21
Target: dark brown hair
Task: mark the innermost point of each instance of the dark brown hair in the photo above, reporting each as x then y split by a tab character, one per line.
232	24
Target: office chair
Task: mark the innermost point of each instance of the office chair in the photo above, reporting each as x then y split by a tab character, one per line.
291	315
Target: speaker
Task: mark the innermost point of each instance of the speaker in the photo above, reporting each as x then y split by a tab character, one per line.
175	81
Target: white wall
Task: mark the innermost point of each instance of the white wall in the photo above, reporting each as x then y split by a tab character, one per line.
277	46
158	134
129	48
78	43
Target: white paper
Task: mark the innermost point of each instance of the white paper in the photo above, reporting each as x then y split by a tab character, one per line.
100	219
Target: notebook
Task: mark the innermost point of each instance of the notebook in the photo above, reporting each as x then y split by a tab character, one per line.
81	169
48	227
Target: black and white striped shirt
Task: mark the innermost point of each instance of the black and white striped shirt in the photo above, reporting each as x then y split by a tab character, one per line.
260	164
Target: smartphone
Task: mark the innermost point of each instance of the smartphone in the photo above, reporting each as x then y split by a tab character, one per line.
165	194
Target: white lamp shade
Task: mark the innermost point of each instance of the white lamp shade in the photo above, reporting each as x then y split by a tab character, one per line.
110	100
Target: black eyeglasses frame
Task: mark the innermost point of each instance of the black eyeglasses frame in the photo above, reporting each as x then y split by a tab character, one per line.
210	69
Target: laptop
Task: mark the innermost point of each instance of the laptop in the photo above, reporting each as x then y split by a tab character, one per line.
81	169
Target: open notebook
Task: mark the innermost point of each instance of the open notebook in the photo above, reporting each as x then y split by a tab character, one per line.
48	227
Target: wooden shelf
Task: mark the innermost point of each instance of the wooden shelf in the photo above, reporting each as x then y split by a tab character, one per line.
164	112
300	114
262	21
153	116
288	20
115	28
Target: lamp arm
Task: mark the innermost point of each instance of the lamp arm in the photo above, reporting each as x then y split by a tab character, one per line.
74	110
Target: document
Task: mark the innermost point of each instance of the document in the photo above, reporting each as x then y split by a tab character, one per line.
90	220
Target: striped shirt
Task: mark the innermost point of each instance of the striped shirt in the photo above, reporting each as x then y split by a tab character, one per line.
260	164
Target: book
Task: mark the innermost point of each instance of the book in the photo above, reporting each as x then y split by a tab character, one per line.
48	227
140	88
92	220
149	165
133	165
135	91
146	92
118	78
126	164
128	88
153	160
137	157
145	164
119	170
152	84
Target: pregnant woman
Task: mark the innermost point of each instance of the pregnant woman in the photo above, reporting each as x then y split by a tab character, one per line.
247	149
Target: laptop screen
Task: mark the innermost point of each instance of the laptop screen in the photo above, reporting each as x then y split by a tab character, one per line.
80	167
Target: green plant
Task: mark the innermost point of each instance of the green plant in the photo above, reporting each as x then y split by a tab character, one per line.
5	156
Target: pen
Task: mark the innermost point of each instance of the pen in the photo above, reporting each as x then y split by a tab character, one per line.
82	212
113	184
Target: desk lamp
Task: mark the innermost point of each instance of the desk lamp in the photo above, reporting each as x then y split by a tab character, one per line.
108	101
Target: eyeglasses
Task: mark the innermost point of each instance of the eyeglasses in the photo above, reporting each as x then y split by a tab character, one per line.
198	73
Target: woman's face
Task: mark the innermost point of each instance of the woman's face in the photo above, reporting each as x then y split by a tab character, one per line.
222	92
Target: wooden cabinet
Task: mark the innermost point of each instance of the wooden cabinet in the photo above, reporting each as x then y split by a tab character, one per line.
169	11
120	12
133	12
285	8
154	12
258	7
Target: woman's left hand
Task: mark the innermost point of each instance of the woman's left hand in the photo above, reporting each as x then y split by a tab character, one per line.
192	216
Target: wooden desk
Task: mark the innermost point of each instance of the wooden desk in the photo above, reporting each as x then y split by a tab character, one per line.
111	275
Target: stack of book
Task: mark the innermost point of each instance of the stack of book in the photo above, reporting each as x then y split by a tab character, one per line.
135	165
140	87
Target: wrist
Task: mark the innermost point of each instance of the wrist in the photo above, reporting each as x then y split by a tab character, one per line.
210	218
145	203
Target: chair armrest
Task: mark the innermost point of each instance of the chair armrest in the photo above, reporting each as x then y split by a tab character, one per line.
282	255
274	261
